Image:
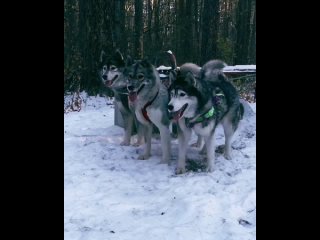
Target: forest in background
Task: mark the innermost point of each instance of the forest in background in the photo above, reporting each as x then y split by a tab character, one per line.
195	30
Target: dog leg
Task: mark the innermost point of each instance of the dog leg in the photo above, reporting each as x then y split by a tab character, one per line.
147	147
174	130
210	146
228	133
199	143
140	134
183	138
165	144
127	129
203	150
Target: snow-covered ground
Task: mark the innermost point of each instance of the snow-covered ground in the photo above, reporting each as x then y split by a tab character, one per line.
109	194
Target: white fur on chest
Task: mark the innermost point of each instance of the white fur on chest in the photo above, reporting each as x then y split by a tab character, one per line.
204	131
154	114
140	117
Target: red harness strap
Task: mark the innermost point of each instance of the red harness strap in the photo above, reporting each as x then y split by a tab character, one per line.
144	111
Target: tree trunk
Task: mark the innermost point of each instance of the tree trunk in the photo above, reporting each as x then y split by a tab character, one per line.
148	44
243	31
252	39
117	24
209	29
192	29
138	24
156	40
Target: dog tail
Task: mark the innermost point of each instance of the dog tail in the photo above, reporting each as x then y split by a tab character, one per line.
212	71
173	60
215	65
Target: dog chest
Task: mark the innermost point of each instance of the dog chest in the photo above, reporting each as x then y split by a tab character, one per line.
140	117
121	107
204	131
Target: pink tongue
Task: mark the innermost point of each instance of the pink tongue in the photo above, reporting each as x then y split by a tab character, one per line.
176	116
132	96
109	83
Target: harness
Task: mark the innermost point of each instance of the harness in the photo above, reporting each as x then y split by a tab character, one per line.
144	109
218	108
202	118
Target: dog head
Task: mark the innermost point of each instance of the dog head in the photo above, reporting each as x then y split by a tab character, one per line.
184	97
142	79
112	71
166	66
165	74
189	96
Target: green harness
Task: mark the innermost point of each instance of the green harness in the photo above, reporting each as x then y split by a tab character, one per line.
218	101
202	118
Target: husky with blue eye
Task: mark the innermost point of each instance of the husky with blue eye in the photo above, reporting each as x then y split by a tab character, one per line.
149	99
200	103
112	77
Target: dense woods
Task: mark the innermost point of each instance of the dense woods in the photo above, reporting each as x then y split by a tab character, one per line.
195	30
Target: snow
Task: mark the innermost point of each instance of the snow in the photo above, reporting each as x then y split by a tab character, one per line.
162	75
162	67
240	68
109	194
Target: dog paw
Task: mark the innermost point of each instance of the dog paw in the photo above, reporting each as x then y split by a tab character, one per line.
136	144
180	170
227	156
143	157
125	143
209	169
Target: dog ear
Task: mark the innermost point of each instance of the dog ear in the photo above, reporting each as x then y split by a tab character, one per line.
173	61
119	58
190	79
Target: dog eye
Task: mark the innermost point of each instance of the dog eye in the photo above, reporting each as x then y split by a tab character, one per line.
104	68
112	68
130	75
140	76
182	94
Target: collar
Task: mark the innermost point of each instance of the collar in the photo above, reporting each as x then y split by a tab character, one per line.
144	109
206	116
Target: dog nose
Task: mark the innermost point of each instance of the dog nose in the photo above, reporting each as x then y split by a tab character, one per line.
170	107
105	77
130	87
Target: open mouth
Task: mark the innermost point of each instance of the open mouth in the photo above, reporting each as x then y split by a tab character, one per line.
178	114
109	83
134	94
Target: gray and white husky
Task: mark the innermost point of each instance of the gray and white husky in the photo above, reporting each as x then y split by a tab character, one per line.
195	70
112	77
200	103
149	99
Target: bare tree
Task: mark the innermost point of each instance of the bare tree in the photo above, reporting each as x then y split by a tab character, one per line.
209	30
138	27
196	30
243	31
